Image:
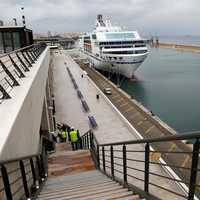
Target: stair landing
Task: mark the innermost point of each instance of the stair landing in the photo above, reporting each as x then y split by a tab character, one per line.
65	161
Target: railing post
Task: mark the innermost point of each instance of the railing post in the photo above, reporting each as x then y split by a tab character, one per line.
39	168
26	59
15	83
146	173
23	173
26	69
6	183
124	165
88	141
17	67
83	142
103	157
91	139
5	94
194	168
33	171
29	56
112	162
98	159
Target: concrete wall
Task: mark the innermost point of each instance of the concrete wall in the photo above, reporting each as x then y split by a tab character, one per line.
20	116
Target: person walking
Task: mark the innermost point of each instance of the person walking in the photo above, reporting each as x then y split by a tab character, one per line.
74	139
79	140
63	133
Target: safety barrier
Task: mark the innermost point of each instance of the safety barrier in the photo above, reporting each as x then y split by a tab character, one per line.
119	160
83	102
23	177
15	65
85	105
92	121
79	94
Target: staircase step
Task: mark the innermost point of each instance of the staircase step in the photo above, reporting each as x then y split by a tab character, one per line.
129	197
107	195
92	174
80	195
68	183
83	187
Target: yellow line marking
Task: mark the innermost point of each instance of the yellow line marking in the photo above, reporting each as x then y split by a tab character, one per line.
124	104
129	109
115	96
121	99
149	129
140	122
185	161
172	147
132	116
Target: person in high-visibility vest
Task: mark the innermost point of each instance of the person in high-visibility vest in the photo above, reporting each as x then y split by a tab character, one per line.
64	136
74	139
63	133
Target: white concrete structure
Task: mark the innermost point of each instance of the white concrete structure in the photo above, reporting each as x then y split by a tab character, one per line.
20	116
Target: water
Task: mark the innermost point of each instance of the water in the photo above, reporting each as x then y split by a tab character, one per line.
168	83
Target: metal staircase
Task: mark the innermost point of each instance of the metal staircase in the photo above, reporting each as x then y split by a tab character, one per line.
72	175
85	186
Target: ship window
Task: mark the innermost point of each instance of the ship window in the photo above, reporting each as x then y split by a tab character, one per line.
94	36
16	40
125	35
8	41
140	51
140	45
1	44
118	52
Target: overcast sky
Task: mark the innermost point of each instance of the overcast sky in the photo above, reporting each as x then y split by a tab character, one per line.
161	17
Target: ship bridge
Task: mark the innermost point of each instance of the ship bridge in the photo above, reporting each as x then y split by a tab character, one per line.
122	153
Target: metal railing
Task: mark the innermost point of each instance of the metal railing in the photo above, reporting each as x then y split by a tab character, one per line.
15	65
23	177
136	160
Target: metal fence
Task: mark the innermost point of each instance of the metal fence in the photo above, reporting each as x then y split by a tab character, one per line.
23	178
134	161
15	65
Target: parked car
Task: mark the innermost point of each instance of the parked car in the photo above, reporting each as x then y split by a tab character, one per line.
107	91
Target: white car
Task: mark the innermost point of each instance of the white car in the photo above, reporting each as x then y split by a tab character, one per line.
107	91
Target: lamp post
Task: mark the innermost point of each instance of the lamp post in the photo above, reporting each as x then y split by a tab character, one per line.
23	18
15	21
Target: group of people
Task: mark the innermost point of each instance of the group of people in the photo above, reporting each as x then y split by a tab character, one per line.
70	134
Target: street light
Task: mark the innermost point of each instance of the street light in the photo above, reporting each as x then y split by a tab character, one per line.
15	21
23	18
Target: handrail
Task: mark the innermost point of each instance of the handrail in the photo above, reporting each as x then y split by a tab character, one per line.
3	162
182	170
14	66
18	50
37	173
184	136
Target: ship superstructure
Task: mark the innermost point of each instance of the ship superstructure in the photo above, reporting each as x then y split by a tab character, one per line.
110	48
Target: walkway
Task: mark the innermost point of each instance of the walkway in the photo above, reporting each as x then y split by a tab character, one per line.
112	127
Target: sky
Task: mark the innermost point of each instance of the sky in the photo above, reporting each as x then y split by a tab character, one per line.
149	17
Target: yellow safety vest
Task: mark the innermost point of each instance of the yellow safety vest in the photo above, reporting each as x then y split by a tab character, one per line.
64	134
73	136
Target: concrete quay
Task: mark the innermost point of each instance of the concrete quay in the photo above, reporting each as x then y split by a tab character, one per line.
112	126
180	47
147	125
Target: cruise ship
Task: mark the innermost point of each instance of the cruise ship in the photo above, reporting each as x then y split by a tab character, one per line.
110	48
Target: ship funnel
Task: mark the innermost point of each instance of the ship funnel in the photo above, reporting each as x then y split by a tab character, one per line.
100	19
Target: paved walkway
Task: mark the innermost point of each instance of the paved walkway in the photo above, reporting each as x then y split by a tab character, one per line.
111	126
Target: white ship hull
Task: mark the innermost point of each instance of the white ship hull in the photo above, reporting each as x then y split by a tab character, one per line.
125	67
110	48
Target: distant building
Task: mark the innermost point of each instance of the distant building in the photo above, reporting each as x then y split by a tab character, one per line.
1	23
14	37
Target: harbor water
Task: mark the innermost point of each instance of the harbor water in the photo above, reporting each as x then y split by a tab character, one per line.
168	83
